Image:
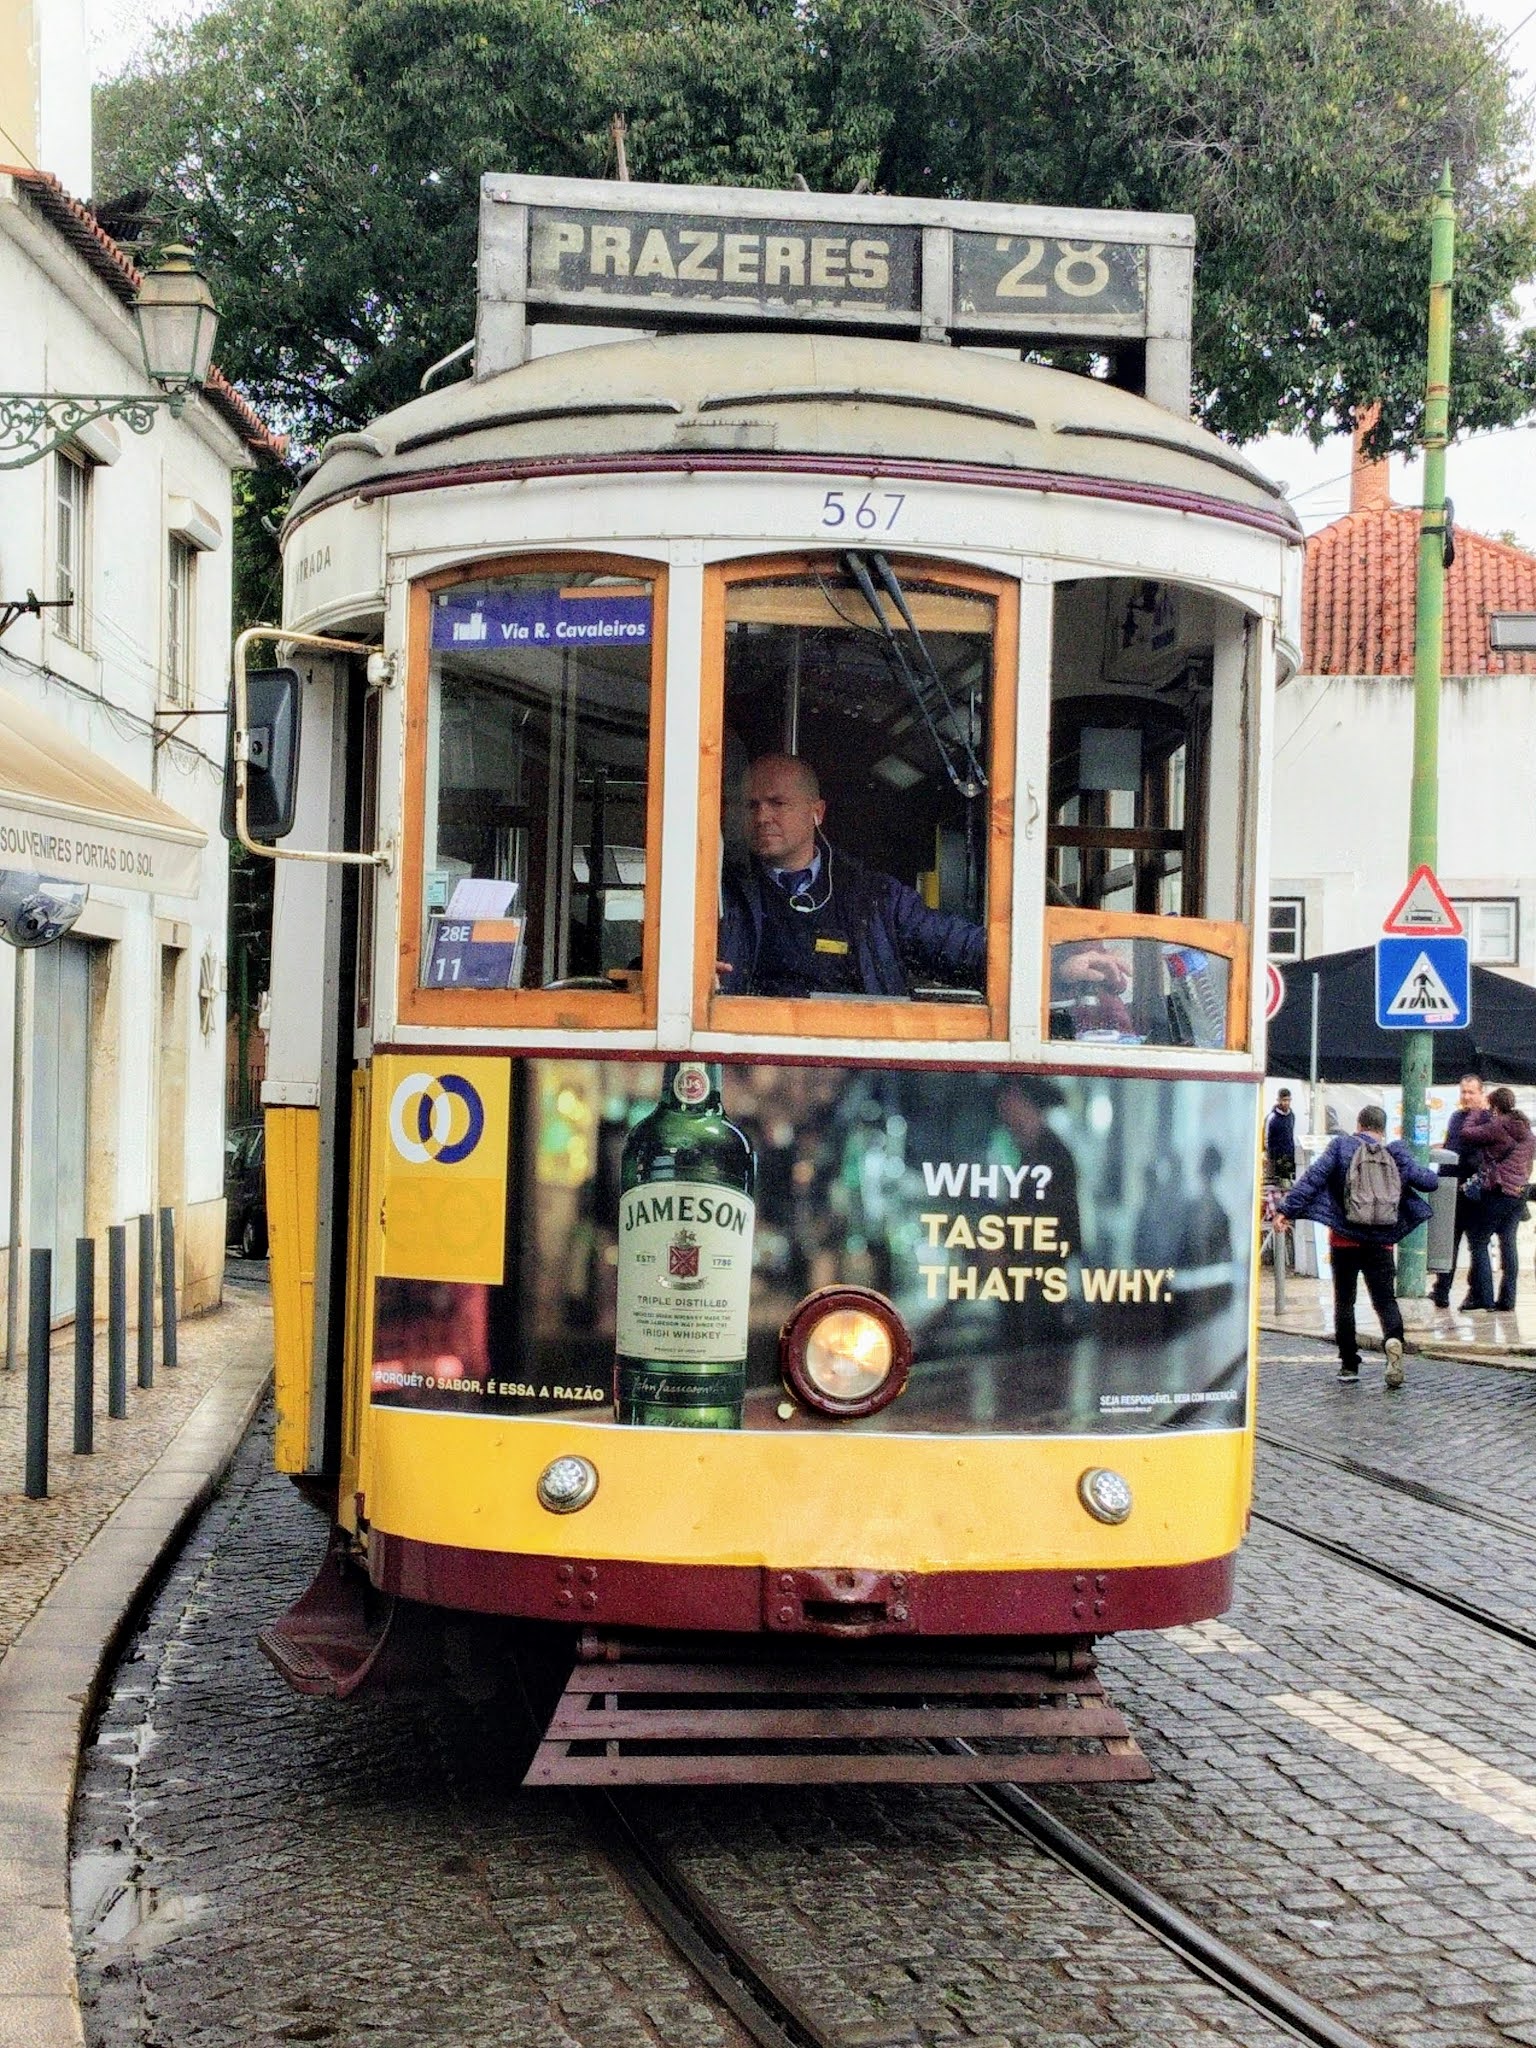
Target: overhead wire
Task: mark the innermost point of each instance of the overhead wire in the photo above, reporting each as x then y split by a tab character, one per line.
128	725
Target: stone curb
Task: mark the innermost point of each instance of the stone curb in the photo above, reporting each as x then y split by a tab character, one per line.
49	1679
1508	1357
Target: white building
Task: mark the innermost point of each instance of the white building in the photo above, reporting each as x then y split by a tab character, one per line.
111	744
1344	741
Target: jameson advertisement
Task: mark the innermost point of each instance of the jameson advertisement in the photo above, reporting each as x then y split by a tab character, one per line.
1070	1253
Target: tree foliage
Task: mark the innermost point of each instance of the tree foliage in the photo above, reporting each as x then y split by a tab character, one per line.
325	155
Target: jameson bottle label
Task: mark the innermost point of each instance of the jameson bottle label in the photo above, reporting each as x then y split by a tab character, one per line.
686	1219
685	1274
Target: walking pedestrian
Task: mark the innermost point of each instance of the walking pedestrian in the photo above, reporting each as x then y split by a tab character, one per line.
1370	1194
1468	1159
1507	1146
1280	1142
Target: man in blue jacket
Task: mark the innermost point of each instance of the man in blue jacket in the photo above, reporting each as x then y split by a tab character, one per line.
1363	1249
803	918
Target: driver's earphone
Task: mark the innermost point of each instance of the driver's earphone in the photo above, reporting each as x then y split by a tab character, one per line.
803	899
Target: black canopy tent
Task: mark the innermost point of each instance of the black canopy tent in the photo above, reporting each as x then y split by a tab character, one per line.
1500	1043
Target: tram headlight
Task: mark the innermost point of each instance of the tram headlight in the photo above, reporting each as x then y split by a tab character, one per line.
845	1351
566	1485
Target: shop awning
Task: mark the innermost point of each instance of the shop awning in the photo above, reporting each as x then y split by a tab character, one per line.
67	813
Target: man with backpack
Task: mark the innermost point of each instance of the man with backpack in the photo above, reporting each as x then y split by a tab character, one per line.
1370	1194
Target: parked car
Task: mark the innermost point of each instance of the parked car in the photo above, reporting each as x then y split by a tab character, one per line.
245	1189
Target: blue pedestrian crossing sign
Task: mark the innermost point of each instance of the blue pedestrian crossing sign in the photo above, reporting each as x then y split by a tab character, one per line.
1423	984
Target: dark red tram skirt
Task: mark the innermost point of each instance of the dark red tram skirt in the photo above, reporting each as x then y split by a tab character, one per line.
746	1599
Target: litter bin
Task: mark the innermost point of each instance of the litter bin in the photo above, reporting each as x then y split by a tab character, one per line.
1441	1242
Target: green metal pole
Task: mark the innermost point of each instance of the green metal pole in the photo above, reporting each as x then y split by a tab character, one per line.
1429	620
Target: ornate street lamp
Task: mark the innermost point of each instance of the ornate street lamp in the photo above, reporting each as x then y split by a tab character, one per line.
175	315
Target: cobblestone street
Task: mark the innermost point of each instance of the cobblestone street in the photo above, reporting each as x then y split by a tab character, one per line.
1346	1790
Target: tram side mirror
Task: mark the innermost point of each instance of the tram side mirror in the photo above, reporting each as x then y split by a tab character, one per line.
272	768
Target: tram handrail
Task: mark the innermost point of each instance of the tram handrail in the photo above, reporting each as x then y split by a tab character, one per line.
383	856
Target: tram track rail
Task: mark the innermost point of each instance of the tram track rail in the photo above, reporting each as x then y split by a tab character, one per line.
1396	1482
1205	1953
767	2008
1346	1553
1413	1489
774	2015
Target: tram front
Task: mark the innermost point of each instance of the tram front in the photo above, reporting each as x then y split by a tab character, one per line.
770	1157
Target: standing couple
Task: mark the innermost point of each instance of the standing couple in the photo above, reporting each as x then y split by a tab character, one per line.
1494	1146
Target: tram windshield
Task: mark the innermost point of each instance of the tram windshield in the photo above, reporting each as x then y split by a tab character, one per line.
855	799
534	825
1148	721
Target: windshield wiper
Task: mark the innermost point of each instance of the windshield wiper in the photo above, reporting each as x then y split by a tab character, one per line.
924	683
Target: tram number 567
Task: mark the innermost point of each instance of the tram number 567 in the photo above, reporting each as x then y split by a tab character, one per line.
873	512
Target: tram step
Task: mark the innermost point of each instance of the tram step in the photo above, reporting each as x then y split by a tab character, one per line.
333	1635
642	1719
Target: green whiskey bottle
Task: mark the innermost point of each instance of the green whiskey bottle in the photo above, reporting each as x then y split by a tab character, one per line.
686	1218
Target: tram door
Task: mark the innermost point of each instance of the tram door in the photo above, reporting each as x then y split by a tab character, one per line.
60	1096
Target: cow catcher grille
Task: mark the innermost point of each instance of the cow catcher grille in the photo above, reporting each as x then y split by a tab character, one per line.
704	1711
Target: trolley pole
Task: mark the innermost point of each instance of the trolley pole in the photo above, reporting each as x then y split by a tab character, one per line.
1429	618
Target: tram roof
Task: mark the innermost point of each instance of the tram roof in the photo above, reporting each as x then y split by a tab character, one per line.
775	395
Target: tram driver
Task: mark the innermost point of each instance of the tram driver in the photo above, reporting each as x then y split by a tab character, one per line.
800	917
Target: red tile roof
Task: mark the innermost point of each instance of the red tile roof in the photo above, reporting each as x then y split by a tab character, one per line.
1358	592
85	234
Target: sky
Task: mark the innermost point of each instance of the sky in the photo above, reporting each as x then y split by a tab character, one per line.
1491	478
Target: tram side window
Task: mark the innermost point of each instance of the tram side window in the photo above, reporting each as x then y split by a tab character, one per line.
1146	774
855	812
534	829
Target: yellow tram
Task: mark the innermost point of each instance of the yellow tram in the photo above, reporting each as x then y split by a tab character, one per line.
756	534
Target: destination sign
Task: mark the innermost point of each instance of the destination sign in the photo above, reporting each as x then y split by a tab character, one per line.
595	252
1020	277
662	258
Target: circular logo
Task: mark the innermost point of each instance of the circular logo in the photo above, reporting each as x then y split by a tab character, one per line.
435	1116
1274	989
691	1085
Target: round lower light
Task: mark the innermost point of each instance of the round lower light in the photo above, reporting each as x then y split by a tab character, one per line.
848	1354
1104	1494
845	1351
566	1485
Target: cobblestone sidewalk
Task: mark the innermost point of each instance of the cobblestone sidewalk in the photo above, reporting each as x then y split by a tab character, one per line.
72	1568
1507	1339
39	1539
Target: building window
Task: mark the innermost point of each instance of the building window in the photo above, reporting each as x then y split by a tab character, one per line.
1492	925
180	582
1287	928
71	504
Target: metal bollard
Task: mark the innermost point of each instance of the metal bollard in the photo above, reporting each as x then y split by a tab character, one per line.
146	1300
1281	1241
117	1321
168	1286
85	1346
39	1317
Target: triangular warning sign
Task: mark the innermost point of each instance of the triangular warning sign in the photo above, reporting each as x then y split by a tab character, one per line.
1422	907
1423	994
